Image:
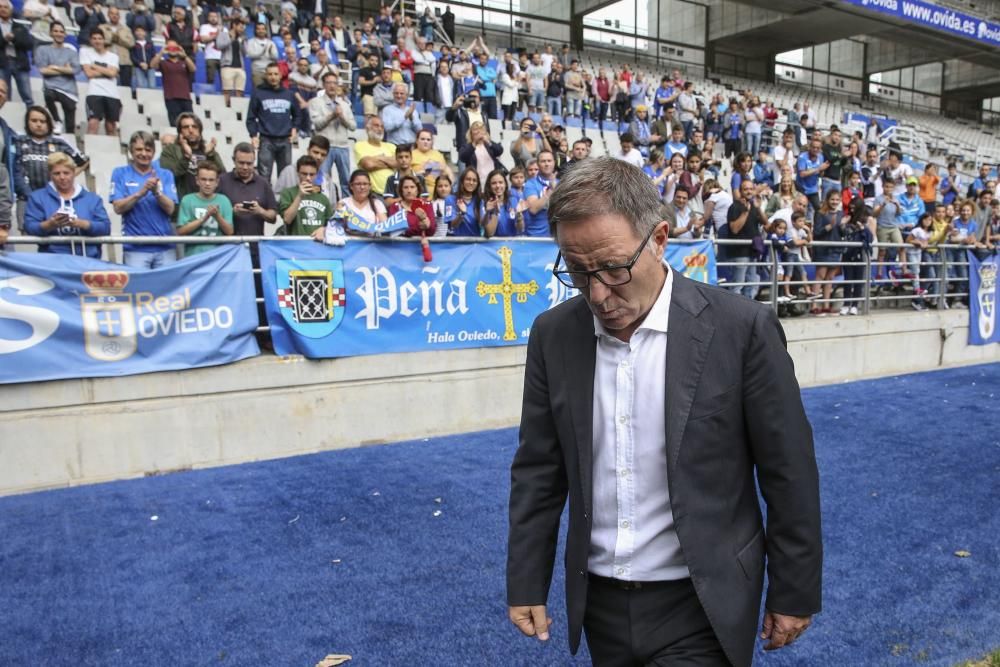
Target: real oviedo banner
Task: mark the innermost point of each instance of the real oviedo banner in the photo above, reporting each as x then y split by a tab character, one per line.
68	317
374	298
984	293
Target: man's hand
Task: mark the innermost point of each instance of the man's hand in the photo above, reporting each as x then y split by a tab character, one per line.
151	184
532	621
256	143
782	630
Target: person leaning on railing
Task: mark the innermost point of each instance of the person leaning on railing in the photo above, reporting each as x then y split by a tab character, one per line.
65	208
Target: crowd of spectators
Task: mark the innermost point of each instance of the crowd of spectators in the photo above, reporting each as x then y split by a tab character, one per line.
314	79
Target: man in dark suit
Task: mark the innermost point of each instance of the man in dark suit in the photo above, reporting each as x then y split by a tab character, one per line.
651	402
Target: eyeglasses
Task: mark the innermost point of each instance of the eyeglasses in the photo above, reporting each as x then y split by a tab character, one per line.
612	276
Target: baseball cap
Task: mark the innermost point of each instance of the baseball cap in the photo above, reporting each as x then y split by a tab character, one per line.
912	180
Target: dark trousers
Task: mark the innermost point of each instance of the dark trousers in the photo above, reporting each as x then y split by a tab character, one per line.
175	108
423	89
23	80
854	277
125	75
490	107
273	149
661	623
68	104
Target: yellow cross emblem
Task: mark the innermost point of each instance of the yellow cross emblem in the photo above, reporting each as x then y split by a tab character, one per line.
507	288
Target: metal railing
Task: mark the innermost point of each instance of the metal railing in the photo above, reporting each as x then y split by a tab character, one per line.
939	278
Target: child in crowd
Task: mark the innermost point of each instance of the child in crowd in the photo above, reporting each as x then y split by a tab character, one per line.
691	182
781	241
404	167
443	204
517	182
853	189
205	212
919	239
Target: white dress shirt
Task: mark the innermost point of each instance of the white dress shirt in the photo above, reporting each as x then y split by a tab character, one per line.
633	536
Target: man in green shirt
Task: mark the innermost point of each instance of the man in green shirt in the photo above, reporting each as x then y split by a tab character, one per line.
205	212
304	207
184	155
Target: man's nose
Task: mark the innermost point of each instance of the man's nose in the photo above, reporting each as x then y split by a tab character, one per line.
598	291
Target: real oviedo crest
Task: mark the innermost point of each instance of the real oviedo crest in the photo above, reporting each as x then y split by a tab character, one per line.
312	295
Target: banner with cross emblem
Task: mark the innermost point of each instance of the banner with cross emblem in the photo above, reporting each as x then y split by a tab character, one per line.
378	298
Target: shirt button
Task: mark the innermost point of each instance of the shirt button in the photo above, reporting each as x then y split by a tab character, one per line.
625	524
623	419
623	472
620	570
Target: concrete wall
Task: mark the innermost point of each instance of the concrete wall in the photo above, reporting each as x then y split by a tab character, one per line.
64	433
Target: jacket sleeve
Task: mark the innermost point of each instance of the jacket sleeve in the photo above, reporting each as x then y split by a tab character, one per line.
781	442
538	485
100	224
6	201
34	215
253	127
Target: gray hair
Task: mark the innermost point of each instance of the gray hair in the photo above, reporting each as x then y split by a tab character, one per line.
603	186
146	138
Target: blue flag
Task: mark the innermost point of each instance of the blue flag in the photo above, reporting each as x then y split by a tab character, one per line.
694	260
983	297
375	298
63	316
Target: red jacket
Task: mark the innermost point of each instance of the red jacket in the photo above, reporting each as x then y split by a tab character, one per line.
413	221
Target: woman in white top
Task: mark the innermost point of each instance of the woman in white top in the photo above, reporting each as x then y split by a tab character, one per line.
753	117
508	82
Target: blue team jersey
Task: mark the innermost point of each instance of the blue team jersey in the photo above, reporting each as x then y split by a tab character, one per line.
808	185
469	225
146	218
506	218
537	224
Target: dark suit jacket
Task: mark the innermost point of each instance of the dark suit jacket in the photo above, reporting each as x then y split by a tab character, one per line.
732	408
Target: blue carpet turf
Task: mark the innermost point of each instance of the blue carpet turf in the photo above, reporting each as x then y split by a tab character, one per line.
283	562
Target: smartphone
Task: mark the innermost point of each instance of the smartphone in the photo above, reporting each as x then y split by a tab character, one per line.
246	204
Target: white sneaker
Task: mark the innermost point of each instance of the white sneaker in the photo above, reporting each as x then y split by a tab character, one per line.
845	310
57	128
854	310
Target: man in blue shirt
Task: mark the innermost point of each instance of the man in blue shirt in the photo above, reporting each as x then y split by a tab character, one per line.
536	193
401	122
488	84
911	207
145	196
808	168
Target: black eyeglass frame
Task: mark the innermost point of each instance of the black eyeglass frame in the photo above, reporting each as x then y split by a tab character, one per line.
565	276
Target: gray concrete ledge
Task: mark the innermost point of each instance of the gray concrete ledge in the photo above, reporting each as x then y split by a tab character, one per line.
64	433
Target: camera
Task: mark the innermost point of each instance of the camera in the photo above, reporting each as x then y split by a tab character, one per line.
469	102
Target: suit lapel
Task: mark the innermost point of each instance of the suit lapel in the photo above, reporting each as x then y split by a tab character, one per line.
579	357
688	339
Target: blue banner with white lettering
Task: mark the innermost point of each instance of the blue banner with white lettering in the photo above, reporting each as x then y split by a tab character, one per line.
375	298
935	17
63	316
984	294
